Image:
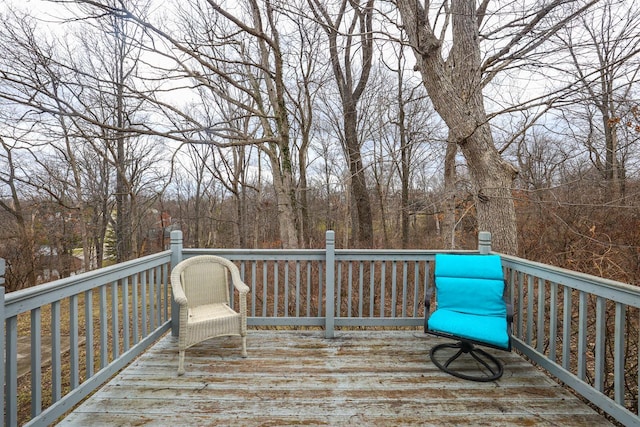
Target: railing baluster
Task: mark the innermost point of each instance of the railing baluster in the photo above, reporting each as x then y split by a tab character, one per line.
553	321
126	333
152	298
11	372
530	299
349	289
405	296
56	350
254	271
309	282
303	284
566	328
88	333
286	290
36	362
383	289
394	285
276	287
74	344
540	335
360	289
265	286
582	336
427	282
115	321
166	274
416	287
104	338
243	274
338	284
618	354
136	310
512	293
144	292
372	290
158	286
600	326
520	323
321	273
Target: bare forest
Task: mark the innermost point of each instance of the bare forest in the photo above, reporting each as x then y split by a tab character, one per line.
264	123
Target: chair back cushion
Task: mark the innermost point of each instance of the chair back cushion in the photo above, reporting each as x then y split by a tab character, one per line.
206	283
470	284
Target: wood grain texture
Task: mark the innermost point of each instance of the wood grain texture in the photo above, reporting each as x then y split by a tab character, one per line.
363	378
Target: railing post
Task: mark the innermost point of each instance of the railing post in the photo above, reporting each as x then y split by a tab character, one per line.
330	304
484	242
176	257
2	335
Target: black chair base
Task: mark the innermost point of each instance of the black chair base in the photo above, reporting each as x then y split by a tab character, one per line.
493	368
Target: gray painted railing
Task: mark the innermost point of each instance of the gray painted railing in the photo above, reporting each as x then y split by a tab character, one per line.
329	288
123	310
582	329
332	287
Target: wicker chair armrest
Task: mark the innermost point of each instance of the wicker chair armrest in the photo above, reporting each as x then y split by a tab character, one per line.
242	288
236	280
176	287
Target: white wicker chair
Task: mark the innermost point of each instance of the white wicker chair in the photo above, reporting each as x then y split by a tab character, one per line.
201	288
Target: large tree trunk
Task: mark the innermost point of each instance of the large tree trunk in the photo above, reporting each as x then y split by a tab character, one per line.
359	192
285	197
405	167
449	205
455	89
279	152
612	168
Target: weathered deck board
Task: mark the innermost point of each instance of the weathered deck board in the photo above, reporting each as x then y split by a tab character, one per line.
299	378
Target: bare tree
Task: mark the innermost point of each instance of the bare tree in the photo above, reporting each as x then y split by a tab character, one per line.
309	77
236	54
416	132
22	257
350	32
455	74
603	50
79	110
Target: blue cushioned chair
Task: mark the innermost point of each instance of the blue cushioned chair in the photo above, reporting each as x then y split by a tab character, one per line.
471	308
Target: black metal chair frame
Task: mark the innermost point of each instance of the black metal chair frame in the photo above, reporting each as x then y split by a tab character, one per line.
467	346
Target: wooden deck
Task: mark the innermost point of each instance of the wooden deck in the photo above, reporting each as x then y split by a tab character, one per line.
363	378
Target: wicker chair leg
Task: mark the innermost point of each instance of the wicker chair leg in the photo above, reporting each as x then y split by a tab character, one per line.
181	362
244	346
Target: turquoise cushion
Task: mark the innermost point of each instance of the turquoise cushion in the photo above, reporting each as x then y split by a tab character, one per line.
472	266
472	296
469	295
487	329
472	284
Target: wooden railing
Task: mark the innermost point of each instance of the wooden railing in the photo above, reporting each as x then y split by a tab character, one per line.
95	324
580	328
332	288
